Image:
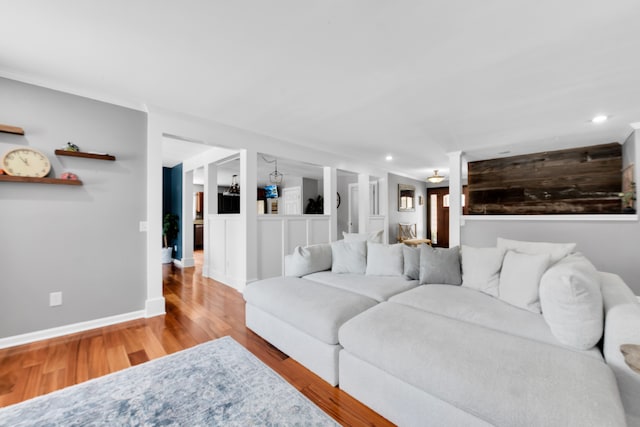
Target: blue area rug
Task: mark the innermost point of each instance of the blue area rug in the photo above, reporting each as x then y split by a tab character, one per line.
216	383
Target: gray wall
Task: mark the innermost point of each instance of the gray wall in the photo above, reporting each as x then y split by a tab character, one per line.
85	240
611	246
419	216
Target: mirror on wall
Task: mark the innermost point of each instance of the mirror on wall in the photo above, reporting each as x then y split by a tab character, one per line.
406	198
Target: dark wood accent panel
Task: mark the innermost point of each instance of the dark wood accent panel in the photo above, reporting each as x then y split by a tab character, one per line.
583	180
198	310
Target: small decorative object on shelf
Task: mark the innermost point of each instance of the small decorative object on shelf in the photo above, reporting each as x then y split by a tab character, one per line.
628	197
71	147
69	175
11	129
1	171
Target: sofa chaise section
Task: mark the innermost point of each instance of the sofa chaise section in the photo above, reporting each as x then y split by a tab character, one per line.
454	372
380	288
302	318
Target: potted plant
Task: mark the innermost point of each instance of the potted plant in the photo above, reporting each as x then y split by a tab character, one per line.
170	228
315	206
628	197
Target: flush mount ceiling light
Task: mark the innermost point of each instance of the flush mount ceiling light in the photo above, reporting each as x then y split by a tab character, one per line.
435	178
599	119
389	158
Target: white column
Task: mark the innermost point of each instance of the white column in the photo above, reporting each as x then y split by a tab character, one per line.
154	304
210	207
330	182
363	203
455	197
186	219
248	212
636	149
383	195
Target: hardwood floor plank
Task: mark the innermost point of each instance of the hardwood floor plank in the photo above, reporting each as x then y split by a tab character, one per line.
197	310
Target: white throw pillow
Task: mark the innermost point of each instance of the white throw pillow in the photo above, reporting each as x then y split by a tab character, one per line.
571	302
520	279
373	237
384	260
348	257
308	259
556	251
481	268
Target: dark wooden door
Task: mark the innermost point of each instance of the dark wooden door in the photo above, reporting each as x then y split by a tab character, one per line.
437	217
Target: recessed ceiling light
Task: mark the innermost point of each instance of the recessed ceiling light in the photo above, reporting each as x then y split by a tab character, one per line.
389	158
599	119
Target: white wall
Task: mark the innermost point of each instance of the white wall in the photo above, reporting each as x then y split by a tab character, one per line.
83	241
279	235
342	188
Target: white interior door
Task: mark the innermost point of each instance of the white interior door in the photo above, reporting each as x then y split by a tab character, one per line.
353	208
292	200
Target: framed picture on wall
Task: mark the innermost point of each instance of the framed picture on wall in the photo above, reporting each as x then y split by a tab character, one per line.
406	198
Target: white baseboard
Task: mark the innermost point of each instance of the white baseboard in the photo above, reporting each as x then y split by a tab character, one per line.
154	307
69	329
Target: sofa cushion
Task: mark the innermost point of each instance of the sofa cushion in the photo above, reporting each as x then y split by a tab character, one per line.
315	309
308	259
384	260
411	257
500	378
481	268
380	288
571	302
520	279
440	265
349	257
481	309
556	251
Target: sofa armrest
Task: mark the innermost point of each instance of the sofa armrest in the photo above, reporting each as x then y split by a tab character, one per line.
622	326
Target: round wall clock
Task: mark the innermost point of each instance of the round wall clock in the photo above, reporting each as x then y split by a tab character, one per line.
25	161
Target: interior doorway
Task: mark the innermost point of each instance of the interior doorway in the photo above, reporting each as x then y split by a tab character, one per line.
438	214
438	217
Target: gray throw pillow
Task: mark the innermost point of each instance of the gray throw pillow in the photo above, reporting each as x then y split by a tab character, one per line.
411	262
440	266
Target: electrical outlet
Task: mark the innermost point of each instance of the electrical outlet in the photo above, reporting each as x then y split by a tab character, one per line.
55	299
144	226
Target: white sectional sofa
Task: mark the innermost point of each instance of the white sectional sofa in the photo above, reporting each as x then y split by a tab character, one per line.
472	350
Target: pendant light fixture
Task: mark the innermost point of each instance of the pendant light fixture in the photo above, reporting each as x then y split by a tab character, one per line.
435	178
276	177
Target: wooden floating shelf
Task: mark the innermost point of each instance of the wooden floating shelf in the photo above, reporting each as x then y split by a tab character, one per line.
9	178
11	129
85	155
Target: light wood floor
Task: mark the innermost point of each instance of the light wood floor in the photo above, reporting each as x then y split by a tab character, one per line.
198	310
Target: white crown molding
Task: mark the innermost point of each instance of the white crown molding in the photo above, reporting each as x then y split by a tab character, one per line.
635	125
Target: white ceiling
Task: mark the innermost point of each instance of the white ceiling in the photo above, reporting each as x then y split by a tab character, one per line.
415	79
